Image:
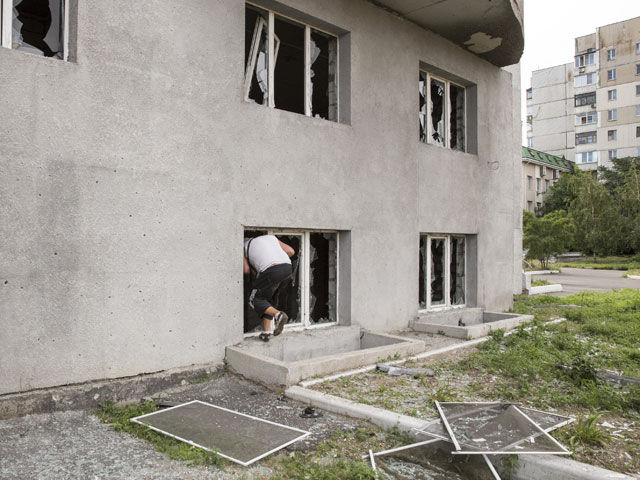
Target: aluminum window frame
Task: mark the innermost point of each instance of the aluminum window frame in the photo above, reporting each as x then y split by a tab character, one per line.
6	27
446	110
304	272
273	44
447	277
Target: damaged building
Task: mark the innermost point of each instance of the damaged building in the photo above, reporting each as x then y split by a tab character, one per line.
139	147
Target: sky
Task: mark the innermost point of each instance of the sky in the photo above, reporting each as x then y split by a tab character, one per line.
550	27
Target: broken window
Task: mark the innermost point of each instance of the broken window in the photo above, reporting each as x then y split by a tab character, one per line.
34	26
300	75
442	112
442	274
310	296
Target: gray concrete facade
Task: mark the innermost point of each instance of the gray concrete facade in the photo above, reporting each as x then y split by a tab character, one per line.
128	175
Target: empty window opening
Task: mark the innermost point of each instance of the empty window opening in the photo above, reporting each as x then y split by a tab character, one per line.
35	26
290	65
310	296
442	275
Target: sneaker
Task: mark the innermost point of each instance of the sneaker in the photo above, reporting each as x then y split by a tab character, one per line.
264	336
281	320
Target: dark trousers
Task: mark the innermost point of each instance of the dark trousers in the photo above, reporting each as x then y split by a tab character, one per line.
266	285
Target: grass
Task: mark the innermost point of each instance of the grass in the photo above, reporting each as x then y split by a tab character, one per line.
635	271
603	263
540	283
119	417
549	367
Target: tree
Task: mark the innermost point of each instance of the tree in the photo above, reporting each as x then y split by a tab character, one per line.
548	235
595	215
628	196
560	195
614	178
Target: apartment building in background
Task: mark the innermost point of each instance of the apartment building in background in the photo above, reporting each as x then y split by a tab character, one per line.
540	170
589	111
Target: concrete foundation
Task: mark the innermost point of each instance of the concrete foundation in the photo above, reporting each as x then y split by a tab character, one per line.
293	357
467	323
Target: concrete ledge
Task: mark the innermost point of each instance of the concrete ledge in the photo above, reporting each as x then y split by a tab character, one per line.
256	366
635	277
542	272
556	287
87	396
532	467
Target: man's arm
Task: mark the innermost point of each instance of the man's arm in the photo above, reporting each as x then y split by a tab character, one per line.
246	264
287	249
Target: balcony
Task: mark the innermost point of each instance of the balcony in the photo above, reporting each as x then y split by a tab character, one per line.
492	30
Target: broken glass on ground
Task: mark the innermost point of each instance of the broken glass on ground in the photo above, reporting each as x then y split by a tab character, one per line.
233	435
394	371
431	460
38	27
495	428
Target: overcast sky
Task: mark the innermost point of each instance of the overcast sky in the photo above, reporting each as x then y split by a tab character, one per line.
550	27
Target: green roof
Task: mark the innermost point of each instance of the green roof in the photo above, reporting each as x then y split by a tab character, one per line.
546	158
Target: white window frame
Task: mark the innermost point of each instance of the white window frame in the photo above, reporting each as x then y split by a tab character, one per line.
589	115
637	110
6	38
613	154
304	272
446	110
273	46
611	74
612	115
612	94
447	277
612	135
611	53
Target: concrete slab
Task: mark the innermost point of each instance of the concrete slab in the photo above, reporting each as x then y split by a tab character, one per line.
467	323
544	289
293	357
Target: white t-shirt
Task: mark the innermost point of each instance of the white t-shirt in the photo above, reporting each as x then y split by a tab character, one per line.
264	252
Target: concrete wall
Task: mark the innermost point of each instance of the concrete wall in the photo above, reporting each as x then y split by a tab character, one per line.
127	176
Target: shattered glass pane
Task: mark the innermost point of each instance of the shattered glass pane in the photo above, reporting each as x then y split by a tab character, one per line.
422	276
323	278
235	436
488	428
547	421
437	271
288	296
38	27
324	86
422	92
432	462
437	102
256	55
289	67
456	121
457	273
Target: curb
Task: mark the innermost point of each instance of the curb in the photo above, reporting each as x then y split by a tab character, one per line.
556	287
532	467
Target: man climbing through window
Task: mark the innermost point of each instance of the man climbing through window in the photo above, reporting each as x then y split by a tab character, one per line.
268	260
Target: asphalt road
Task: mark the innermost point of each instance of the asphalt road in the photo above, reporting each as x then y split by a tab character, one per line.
575	280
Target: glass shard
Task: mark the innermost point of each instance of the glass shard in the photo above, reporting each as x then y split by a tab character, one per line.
496	428
240	438
422	116
422	275
433	462
256	55
324	65
38	27
457	117
323	278
437	102
457	271
438	256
